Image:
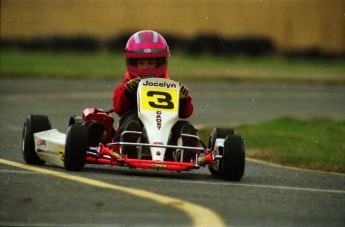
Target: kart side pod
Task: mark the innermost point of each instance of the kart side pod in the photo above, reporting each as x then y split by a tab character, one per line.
99	121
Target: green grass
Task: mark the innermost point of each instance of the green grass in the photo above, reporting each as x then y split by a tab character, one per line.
111	65
316	144
260	69
61	64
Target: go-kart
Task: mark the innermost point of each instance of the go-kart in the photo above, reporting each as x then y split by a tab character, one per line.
89	139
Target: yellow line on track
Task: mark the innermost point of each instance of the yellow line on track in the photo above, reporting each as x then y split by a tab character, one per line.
200	216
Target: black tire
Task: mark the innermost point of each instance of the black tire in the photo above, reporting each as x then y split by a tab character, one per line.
219	133
222	133
33	124
75	148
233	158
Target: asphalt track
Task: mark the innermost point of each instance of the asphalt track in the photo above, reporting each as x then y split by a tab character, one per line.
114	196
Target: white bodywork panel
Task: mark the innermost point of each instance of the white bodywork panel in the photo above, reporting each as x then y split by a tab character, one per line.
158	106
50	146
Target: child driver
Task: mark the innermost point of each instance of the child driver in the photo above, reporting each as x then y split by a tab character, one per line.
146	55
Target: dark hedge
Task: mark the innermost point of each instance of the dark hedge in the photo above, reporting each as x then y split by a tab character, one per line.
202	44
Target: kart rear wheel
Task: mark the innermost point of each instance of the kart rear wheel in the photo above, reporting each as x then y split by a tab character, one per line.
233	160
220	133
75	148
33	124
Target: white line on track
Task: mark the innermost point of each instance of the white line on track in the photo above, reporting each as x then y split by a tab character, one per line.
199	215
317	190
240	185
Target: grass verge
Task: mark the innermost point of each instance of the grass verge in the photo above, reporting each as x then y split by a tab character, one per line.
316	144
112	65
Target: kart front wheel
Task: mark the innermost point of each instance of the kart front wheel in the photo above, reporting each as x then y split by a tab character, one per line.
33	124
233	161
218	133
75	148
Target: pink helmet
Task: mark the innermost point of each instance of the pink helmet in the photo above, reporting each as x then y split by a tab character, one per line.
147	44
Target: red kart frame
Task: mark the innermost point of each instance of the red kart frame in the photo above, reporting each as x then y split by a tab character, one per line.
105	155
110	153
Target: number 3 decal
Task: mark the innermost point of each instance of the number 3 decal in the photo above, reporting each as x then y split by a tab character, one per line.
159	99
163	100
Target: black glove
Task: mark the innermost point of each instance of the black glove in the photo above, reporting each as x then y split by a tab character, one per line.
183	91
132	85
